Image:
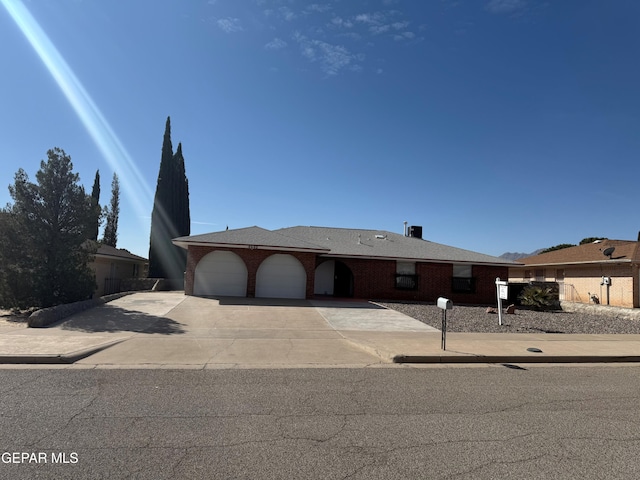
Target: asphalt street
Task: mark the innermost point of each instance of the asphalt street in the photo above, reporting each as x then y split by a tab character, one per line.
501	421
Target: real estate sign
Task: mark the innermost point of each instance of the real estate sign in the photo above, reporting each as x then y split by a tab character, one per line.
502	292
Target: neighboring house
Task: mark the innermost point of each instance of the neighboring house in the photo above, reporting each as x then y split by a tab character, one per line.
302	262
112	265
603	272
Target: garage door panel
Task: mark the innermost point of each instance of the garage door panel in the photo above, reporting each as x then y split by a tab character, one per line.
281	276
221	273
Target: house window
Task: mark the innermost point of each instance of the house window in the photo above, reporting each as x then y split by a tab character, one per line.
527	274
463	281
406	268
462	271
539	275
560	274
406	278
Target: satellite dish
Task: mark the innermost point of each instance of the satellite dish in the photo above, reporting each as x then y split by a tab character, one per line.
608	251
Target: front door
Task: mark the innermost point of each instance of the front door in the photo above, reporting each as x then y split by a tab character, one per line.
342	280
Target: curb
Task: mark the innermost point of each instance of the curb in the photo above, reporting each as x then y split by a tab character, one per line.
382	355
56	359
479	359
514	359
48	316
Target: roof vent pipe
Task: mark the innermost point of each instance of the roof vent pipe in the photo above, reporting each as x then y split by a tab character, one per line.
406	223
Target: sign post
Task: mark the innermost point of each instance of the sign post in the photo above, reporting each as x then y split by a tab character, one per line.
444	304
502	292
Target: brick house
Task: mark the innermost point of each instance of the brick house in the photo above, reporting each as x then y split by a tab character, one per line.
603	272
303	262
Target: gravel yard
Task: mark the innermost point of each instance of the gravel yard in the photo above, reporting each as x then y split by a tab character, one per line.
476	319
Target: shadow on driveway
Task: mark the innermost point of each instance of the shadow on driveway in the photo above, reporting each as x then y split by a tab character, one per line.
329	302
113	319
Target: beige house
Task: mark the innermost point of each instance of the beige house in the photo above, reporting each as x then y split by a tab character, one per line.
605	272
112	265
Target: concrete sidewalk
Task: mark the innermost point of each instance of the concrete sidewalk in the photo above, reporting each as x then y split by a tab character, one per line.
169	330
500	347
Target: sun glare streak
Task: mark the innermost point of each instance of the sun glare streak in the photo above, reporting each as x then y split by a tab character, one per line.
99	129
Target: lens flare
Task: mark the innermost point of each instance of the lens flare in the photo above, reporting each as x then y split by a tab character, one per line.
96	125
90	115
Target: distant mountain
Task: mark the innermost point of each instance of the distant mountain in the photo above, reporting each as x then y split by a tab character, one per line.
516	255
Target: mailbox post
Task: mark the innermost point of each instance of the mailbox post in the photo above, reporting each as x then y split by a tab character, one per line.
502	288
444	304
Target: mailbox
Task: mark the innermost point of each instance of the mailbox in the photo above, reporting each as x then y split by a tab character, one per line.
445	303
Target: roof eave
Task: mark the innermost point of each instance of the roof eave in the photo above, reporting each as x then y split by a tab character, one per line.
118	257
587	262
414	259
186	245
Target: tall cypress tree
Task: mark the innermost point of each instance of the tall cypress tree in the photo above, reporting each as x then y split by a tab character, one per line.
170	216
95	202
113	212
181	195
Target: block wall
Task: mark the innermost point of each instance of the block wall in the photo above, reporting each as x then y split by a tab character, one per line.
582	282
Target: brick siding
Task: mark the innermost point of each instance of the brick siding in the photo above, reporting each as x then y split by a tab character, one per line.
375	279
372	279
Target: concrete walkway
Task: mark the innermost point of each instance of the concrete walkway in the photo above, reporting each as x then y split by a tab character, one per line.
170	330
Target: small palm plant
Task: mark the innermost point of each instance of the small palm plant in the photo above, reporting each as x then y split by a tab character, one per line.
538	297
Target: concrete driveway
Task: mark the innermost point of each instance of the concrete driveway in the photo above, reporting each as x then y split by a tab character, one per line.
169	330
172	330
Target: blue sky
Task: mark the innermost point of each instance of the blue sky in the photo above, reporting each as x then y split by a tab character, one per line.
497	125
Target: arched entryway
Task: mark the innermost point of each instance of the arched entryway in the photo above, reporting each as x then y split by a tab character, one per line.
281	276
334	278
220	273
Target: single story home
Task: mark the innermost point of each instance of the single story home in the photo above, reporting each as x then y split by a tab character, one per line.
111	265
605	272
303	262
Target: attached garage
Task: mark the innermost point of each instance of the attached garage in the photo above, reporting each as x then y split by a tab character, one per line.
281	276
221	273
298	262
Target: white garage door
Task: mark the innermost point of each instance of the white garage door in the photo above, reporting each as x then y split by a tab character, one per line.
221	273
281	276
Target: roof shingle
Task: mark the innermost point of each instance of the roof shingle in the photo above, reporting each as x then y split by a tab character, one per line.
249	236
121	253
625	251
383	244
343	242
